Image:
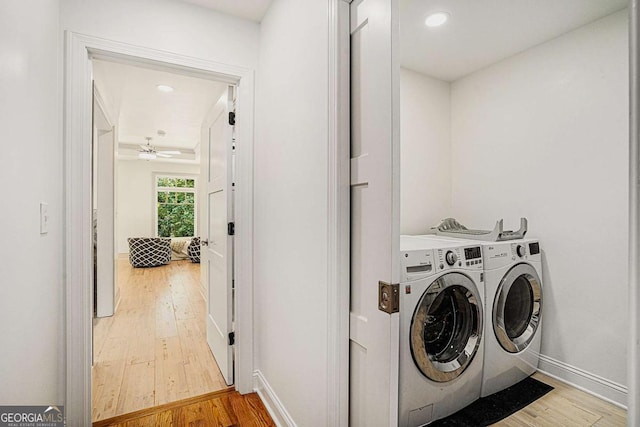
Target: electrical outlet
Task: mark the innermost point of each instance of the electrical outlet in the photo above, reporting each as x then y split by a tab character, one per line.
44	218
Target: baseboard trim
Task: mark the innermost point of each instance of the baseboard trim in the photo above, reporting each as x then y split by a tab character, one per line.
590	383
270	400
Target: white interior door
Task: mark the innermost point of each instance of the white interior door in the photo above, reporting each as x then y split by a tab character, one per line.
374	334
104	200
219	252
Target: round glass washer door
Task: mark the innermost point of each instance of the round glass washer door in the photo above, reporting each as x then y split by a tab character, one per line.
446	327
517	307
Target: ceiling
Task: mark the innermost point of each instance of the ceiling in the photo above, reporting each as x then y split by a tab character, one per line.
482	32
140	109
253	10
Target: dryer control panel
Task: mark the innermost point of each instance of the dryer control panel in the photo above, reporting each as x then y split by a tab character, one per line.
500	254
525	250
464	257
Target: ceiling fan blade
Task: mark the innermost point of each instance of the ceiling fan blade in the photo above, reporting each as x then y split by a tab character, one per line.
160	154
174	152
145	147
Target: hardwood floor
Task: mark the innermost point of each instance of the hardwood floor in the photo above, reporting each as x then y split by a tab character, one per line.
564	406
223	409
567	407
153	350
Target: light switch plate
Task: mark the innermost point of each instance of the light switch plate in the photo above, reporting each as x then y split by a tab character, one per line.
44	218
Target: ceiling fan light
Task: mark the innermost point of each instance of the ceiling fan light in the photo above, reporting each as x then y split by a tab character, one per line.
145	155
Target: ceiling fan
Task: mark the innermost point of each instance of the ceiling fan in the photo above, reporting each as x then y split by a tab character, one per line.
149	152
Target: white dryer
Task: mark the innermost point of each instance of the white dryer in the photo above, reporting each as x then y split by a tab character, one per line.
514	296
441	325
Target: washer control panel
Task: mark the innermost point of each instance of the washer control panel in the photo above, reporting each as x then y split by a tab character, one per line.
417	264
465	257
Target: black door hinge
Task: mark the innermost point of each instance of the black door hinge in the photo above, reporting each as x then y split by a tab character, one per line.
232	338
231	229
232	118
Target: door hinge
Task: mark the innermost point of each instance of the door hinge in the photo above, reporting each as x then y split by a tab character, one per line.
388	297
232	338
232	118
231	229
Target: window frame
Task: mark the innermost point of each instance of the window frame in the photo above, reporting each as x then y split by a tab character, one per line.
156	189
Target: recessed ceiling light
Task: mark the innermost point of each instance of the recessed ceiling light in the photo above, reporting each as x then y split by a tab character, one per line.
436	19
164	88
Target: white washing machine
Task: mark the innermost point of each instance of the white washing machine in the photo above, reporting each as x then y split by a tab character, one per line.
441	326
513	306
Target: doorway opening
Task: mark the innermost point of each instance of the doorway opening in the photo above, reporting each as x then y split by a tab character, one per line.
154	332
81	52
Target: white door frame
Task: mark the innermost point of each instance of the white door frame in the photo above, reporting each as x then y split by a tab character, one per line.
106	296
339	213
633	352
77	181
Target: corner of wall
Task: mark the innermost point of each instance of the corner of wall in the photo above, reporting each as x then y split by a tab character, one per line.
271	401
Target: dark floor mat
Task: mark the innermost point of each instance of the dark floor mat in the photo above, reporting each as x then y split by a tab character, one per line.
493	408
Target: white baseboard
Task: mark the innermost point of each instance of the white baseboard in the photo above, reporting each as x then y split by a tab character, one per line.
275	407
590	383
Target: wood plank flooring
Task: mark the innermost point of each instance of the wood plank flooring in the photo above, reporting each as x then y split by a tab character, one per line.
223	409
564	406
153	350
567	407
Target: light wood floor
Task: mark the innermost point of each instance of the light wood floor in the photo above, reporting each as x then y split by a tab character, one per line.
567	407
153	350
223	409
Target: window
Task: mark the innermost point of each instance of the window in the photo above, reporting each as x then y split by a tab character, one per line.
176	206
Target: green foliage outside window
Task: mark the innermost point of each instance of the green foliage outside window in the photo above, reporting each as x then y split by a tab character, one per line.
176	182
176	209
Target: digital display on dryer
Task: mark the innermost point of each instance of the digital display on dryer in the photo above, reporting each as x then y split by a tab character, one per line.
472	253
534	248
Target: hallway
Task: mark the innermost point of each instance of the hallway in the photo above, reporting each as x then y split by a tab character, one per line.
153	350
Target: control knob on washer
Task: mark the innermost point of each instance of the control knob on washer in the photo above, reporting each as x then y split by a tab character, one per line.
520	251
451	257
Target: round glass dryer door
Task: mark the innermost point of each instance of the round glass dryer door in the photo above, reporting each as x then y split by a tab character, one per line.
516	308
446	327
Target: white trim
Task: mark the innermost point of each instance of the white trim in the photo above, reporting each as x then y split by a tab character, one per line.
103	106
590	383
77	173
77	244
633	346
271	401
243	239
338	215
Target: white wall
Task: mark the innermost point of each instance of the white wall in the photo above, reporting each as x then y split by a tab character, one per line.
135	197
32	340
168	25
425	155
290	222
544	134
